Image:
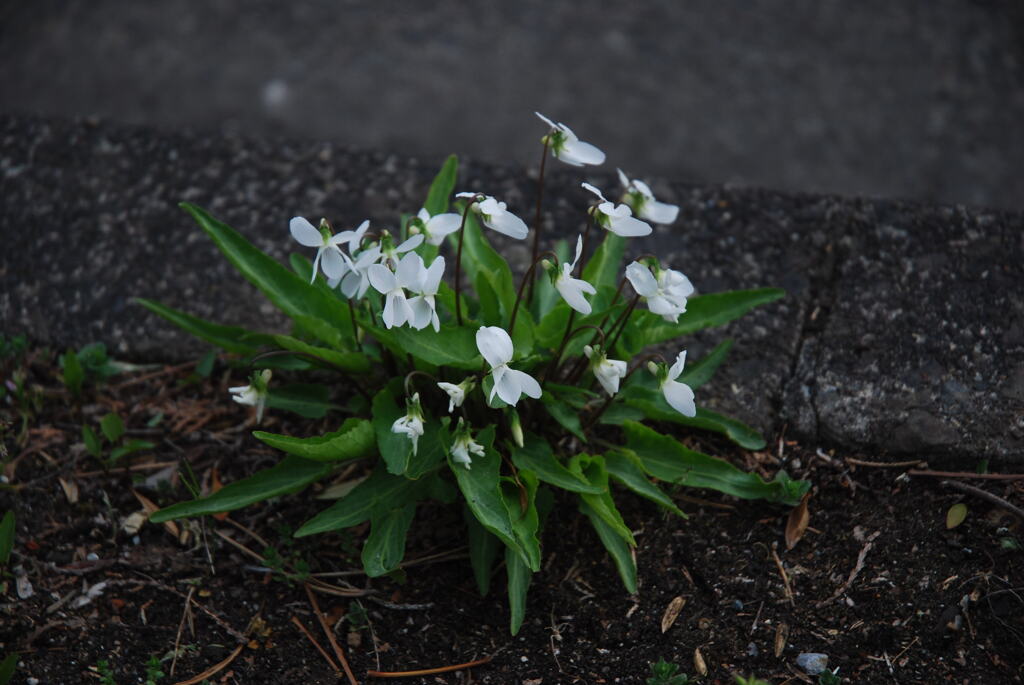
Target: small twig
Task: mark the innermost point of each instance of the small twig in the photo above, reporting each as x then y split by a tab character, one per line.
181	626
967	474
215	669
427	671
782	572
330	635
323	652
757	616
216	617
856	570
985	495
155	374
886	464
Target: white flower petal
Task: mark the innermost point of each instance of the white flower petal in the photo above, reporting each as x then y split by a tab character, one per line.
357	236
571	290
546	120
305	232
495	345
381	278
443	224
660	212
422	312
410	271
677	367
507	386
423	215
629	227
410	244
623	179
528	385
578	153
508	224
591	189
579	251
642	280
643	189
680	397
332	263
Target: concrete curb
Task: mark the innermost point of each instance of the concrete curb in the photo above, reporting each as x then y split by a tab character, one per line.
903	330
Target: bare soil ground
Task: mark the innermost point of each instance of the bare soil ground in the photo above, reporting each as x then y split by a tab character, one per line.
878	583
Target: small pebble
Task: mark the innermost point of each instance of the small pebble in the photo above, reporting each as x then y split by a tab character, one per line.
752	649
92	556
737	604
812	663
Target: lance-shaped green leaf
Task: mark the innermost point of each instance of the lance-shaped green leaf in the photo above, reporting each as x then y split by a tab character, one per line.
384	548
285	289
536	455
481	488
626	468
593	469
519	575
480	259
453	346
617	546
520	503
395	448
353	440
668	460
441	188
702	311
310	400
381	489
483	550
565	415
605	266
700	372
290	475
230	338
350	362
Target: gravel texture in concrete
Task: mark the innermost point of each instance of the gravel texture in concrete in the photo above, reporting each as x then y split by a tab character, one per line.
903	329
895	99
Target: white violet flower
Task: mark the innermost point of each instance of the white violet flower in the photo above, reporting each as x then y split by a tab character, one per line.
390	252
638	195
457	393
328	254
254	394
572	289
435	228
412	423
392	285
496	217
424	306
566	146
496	347
356	281
678	395
464	446
665	293
618	219
608	372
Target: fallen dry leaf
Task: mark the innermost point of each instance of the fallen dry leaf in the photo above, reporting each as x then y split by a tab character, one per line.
70	489
698	663
672	613
796	526
781	633
148	504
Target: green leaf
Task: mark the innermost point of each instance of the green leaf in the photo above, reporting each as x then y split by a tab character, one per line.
92	442
229	338
381	489
384	548
643	394
483	550
480	486
440	192
666	459
702	311
592	467
204	367
699	373
7	668
6	537
523	335
479	258
394	448
565	415
433	448
605	265
74	375
536	455
350	362
353	440
617	546
310	400
550	331
127	448
519	575
290	475
112	427
520	503
626	468
285	289
453	346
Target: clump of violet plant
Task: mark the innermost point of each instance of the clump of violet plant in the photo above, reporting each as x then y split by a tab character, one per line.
479	390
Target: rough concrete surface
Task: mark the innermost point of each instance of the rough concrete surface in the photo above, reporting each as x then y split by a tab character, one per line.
895	99
903	330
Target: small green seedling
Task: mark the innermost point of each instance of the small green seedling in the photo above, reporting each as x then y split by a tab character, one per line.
105	673
7	667
752	680
112	433
829	677
153	671
666	673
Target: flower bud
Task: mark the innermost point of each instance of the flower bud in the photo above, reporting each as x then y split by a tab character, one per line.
588	350
652	367
516	426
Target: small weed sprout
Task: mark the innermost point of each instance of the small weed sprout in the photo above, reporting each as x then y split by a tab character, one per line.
462	381
667	673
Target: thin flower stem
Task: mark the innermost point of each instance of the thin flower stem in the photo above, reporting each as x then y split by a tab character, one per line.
537	217
458	264
561	347
581	365
355	327
621	322
597	333
522	285
584	259
409	376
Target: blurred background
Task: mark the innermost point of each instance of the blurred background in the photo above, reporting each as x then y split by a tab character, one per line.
914	99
